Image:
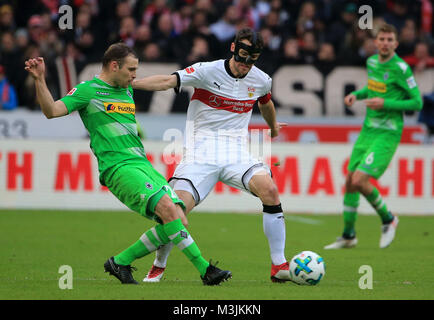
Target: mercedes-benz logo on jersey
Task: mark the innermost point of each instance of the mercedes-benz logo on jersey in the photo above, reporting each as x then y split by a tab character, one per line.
215	101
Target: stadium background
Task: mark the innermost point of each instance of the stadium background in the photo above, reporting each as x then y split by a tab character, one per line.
314	51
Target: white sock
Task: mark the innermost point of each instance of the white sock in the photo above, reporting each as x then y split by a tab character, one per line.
162	254
274	229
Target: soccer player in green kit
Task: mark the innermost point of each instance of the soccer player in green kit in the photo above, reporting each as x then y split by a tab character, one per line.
107	109
391	90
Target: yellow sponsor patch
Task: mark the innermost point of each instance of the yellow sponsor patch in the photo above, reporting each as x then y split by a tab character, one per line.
377	86
120	107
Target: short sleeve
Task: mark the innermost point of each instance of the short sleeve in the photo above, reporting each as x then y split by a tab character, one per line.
268	85
191	76
266	93
76	99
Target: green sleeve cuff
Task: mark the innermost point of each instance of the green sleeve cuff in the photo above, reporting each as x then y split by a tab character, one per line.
361	94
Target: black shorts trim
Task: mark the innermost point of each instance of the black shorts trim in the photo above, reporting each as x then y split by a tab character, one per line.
247	171
192	185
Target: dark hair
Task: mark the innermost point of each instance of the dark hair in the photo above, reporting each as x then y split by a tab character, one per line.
387	28
117	52
254	37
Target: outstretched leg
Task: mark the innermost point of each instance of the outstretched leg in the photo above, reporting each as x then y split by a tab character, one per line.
156	272
262	185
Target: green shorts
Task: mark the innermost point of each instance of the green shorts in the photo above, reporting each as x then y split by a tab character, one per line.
373	152
140	187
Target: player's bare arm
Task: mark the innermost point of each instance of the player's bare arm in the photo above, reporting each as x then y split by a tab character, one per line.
50	108
268	112
156	83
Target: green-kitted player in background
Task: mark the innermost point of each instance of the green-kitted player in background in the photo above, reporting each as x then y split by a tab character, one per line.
107	109
391	90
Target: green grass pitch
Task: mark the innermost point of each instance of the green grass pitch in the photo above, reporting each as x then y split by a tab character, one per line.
34	244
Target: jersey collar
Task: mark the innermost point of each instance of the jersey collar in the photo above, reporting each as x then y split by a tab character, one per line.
102	82
385	62
108	85
229	72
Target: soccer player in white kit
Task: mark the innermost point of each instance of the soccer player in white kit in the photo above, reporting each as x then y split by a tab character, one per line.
219	111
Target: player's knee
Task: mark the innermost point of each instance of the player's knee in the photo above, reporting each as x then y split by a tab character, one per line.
355	183
171	213
349	187
166	210
358	182
184	221
269	194
181	215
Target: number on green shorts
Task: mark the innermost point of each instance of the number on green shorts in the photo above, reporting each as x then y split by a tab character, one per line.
370	158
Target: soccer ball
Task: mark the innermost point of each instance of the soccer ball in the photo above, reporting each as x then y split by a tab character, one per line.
307	268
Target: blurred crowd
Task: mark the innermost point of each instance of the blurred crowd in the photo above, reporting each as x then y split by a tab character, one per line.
323	33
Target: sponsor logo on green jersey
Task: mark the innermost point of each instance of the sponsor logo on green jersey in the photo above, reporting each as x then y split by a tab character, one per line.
120	107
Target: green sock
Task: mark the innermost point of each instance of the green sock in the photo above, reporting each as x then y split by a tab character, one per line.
351	203
380	206
180	237
148	242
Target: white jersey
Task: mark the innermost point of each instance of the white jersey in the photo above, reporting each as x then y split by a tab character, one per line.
216	133
221	103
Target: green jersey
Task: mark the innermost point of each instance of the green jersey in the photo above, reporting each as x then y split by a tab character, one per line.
393	81
381	133
108	113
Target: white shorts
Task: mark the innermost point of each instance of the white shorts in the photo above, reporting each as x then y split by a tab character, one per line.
200	178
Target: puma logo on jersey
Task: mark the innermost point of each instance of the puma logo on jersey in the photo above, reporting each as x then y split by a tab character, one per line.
218	85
